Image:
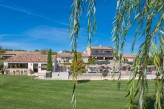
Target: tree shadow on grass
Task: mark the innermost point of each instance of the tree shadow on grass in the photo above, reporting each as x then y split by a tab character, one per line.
149	102
3	85
82	81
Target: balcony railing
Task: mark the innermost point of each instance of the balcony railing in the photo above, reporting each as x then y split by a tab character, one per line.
103	54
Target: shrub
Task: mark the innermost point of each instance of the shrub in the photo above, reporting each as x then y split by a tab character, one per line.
102	62
104	73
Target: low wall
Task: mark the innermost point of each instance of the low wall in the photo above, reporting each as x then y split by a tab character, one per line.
60	75
110	76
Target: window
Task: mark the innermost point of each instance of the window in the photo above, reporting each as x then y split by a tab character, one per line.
107	52
43	66
17	65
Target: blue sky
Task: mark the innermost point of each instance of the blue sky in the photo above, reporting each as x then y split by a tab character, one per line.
43	24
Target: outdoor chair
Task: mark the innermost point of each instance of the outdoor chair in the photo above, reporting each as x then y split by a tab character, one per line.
17	72
25	72
7	72
21	72
14	72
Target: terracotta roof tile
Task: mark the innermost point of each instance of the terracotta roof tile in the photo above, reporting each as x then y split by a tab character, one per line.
29	58
128	56
20	52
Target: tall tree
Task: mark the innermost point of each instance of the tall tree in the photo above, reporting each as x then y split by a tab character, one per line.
77	66
91	60
49	61
148	18
36	50
66	51
44	51
1	50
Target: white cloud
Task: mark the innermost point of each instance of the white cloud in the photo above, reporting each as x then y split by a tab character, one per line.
48	33
13	45
47	36
20	45
5	35
9	44
31	13
59	35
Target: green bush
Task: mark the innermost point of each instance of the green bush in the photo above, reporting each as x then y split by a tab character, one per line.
1	66
130	63
104	73
102	62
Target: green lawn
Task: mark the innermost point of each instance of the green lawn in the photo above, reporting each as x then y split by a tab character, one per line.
20	92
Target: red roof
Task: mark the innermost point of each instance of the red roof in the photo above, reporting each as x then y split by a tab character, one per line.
128	56
20	52
29	58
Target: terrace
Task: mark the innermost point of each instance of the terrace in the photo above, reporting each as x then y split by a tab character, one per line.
17	71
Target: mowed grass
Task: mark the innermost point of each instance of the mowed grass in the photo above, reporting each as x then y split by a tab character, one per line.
20	92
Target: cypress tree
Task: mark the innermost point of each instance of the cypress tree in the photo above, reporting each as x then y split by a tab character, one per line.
49	61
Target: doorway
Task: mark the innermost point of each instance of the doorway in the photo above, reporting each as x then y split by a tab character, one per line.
35	67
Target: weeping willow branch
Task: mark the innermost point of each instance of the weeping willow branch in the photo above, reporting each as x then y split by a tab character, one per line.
77	7
148	18
91	19
141	13
74	30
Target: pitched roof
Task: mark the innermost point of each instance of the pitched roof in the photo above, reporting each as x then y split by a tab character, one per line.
70	55
20	52
101	47
29	58
128	56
